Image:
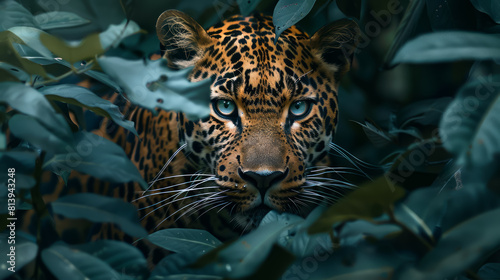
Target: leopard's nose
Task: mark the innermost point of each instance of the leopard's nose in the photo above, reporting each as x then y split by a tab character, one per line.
263	179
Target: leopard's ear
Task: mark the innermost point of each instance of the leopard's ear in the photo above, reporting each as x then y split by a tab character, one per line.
335	43
182	37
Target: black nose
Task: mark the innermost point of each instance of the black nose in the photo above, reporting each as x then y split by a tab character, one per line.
262	180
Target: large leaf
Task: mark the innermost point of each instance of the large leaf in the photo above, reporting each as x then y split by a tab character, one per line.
10	55
449	46
242	257
66	263
406	28
59	19
25	251
90	46
31	102
177	267
490	7
85	98
99	157
151	84
459	248
29	129
469	127
30	39
289	12
14	14
121	256
100	209
24	164
369	201
194	242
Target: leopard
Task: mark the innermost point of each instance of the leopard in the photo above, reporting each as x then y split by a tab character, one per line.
273	114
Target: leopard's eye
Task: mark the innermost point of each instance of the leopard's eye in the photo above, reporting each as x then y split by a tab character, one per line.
299	109
225	107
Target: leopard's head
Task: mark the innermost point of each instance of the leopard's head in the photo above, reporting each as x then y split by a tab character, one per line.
274	106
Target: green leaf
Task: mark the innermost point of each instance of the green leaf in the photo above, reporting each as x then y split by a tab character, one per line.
449	46
59	19
458	249
194	242
152	84
115	33
24	164
99	157
83	97
100	209
177	267
289	12
367	202
247	6
406	29
489	271
29	129
242	257
490	7
469	126
30	40
120	256
66	263
10	55
90	46
25	252
14	14
31	102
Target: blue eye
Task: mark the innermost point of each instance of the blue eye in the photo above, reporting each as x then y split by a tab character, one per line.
225	107
299	108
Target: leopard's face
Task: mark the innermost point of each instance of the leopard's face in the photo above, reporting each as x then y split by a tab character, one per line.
274	107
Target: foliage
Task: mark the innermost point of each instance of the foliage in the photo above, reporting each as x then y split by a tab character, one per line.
431	213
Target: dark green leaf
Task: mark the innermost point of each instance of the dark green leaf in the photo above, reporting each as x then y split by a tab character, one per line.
66	263
29	129
469	127
276	263
194	242
151	84
406	29
120	256
59	19
25	251
177	267
24	164
31	102
367	202
490	7
85	98
10	55
243	257
489	271
14	14
100	209
289	12
449	46
90	46
30	41
247	6
458	249
99	157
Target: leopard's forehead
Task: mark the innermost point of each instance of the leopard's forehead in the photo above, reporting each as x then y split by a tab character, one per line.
244	51
257	25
